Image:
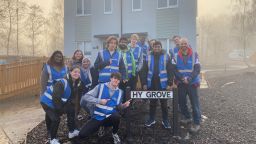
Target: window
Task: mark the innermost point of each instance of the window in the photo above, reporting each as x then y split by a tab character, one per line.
136	5
161	4
108	6
84	46
83	7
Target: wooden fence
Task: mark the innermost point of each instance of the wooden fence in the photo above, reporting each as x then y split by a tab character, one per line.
20	78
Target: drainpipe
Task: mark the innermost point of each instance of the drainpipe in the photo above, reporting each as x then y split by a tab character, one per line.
121	17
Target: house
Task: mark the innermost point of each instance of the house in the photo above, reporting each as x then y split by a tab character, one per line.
87	23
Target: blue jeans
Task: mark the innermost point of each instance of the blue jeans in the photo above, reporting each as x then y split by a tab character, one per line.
191	91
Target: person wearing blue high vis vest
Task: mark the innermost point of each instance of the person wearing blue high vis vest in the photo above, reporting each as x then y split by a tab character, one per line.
176	40
188	80
130	68
53	69
138	57
109	60
157	76
103	102
56	100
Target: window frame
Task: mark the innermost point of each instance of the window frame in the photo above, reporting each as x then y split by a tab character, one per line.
168	5
111	7
84	48
83	14
136	10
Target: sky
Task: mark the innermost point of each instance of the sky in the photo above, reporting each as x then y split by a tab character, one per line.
213	7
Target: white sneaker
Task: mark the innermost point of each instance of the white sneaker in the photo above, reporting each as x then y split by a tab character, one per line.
195	128
73	134
116	139
54	141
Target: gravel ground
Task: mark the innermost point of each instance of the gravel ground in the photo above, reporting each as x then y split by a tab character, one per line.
228	106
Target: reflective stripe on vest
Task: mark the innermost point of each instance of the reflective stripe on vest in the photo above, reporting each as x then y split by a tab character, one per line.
103	111
104	74
127	58
46	98
162	70
187	69
136	53
55	75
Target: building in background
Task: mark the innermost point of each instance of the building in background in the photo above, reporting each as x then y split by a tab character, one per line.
87	23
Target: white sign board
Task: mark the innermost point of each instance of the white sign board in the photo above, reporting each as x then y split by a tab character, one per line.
151	94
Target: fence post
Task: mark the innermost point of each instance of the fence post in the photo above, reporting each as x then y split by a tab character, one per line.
127	114
176	125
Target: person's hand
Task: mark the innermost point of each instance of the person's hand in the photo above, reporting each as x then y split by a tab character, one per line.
104	101
145	87
127	103
169	88
186	80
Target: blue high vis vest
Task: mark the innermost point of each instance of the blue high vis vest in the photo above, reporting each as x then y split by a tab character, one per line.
128	63
174	51
186	69
145	50
104	74
46	98
162	70
54	74
86	78
136	53
103	111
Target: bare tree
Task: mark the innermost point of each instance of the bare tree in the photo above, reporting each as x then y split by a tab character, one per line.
56	25
35	23
244	21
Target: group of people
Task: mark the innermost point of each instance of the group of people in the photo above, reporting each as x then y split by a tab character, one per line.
100	88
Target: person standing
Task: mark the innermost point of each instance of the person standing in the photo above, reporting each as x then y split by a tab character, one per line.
138	57
56	100
144	47
54	69
157	76
188	81
130	67
109	60
176	40
77	58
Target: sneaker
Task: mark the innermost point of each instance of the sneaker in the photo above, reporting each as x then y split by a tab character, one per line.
150	122
185	121
101	131
54	141
166	124
116	139
195	128
73	134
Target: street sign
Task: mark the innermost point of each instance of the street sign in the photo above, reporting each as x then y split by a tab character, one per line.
151	94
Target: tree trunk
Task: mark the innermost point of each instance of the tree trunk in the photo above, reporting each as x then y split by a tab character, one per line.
10	29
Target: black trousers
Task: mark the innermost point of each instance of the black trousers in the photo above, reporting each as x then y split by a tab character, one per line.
52	119
93	125
123	86
152	109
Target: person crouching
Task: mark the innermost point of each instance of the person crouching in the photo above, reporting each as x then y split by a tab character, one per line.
56	100
106	98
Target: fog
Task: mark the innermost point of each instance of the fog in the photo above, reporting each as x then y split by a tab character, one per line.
225	29
227	36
